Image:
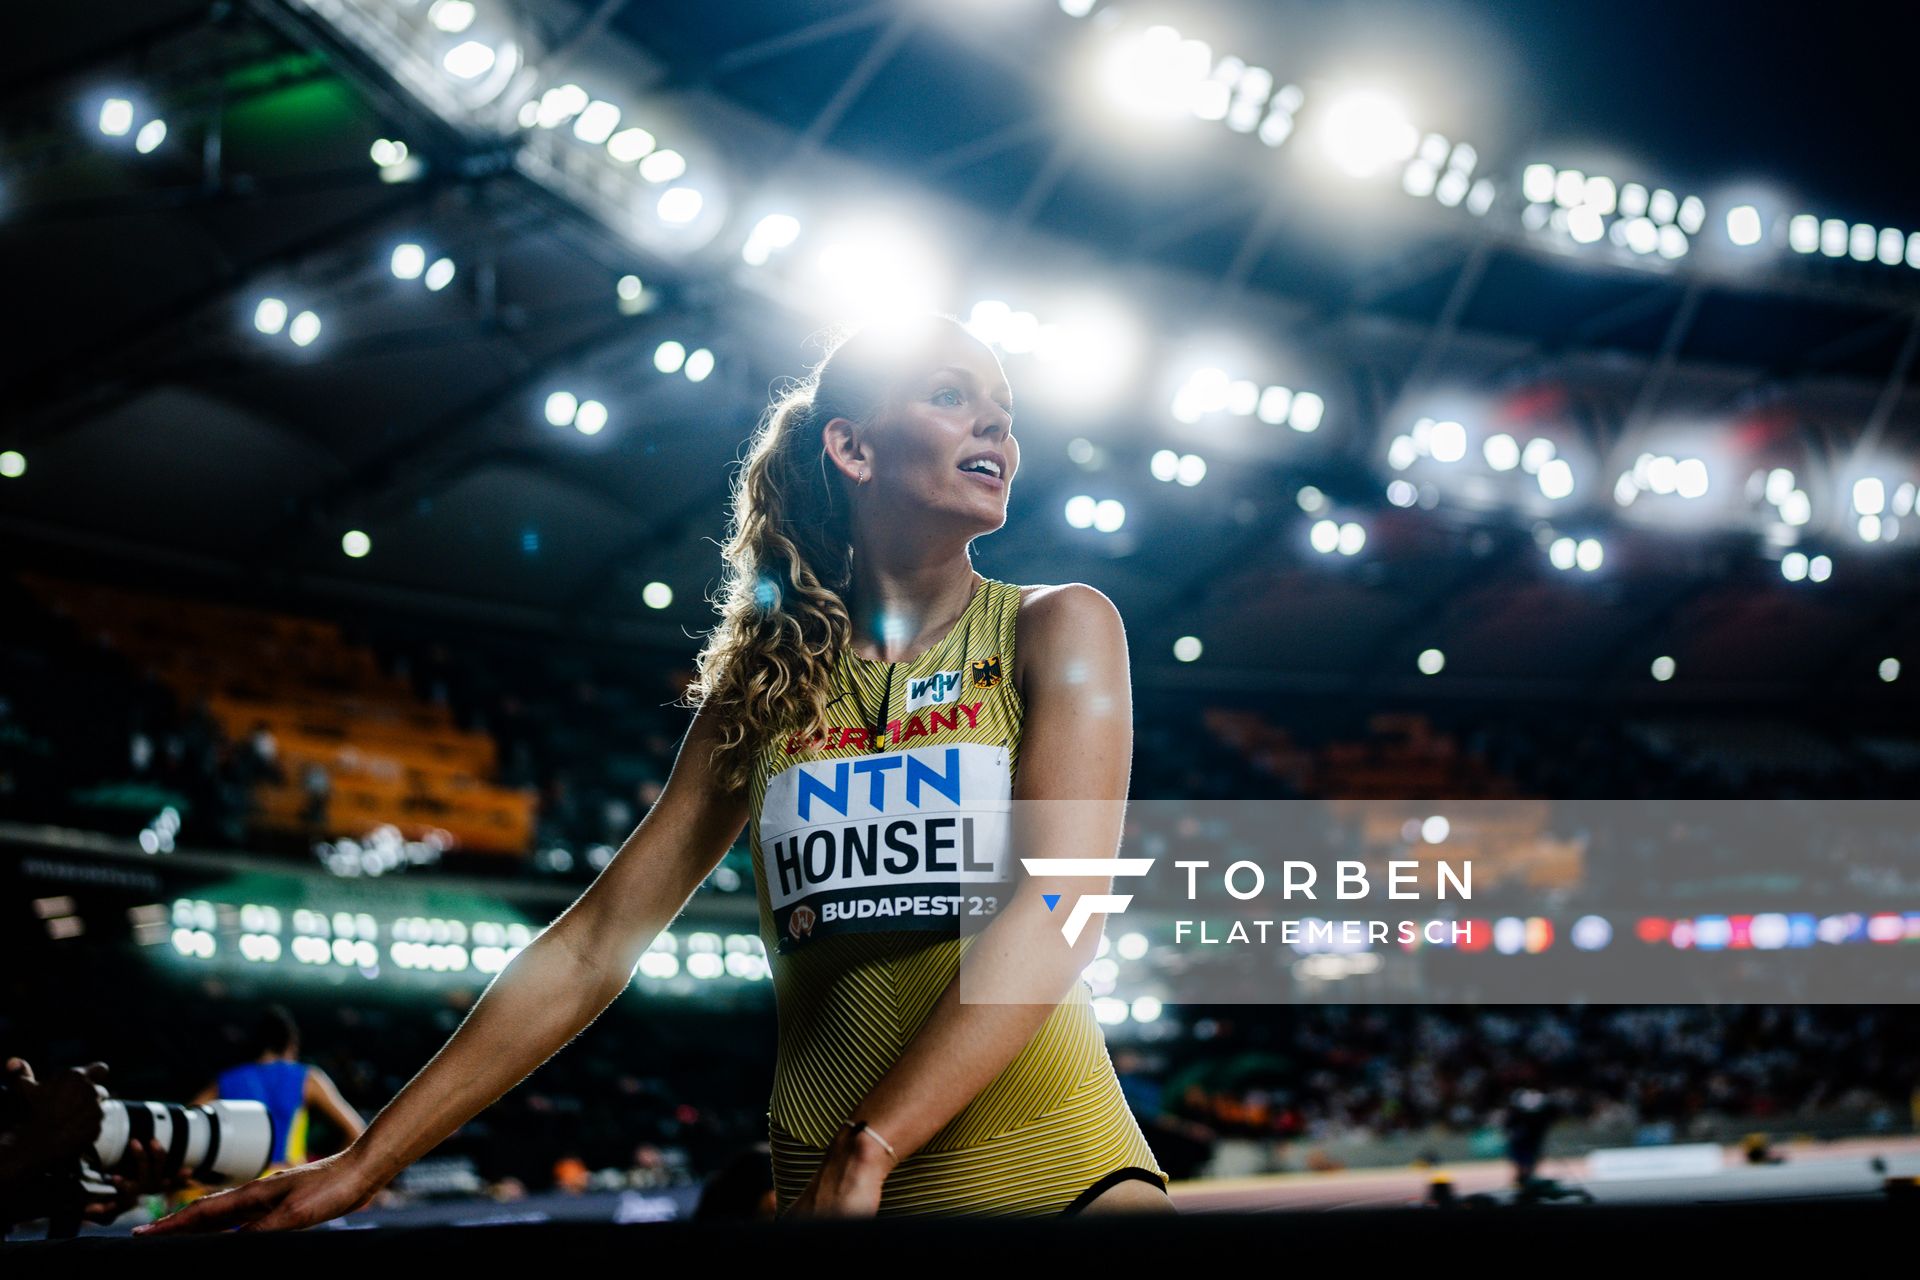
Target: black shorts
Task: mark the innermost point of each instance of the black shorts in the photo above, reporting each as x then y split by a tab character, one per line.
1113	1179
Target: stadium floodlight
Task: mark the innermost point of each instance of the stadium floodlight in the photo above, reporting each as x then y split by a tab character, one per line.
1590	555
1164	465
1307	412
1690	479
1076	8
1402	494
1820	568
1365	131
1743	225
1502	451
1310	499
591	418
699	365
773	232
1889	669
1833	238
1079	511
1860	242
304	328
116	117
1274	405
1663	668
13	464
1893	245
1870	528
469	60
1584	224
1187	649
669	356
1448	442
560	104
270	316
151	135
1563	553
1793	566
451	16
1351	539
656	595
439	275
1803	233
680	205
1402	453
355	543
388	153
596	124
1158	74
1109	514
561	407
631	145
1190	470
1537	454
1869	496
1324	536
1556	478
408	261
1431	662
1538	182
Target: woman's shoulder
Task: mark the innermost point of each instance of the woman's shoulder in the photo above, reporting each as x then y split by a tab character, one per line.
1064	618
1070	602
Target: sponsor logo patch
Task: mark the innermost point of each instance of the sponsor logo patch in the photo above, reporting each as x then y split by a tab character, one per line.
935	690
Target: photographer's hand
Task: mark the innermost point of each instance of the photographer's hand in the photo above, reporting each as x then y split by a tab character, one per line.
59	1117
141	1172
283	1201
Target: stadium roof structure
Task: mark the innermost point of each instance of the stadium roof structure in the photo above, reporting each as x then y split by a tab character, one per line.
1379	328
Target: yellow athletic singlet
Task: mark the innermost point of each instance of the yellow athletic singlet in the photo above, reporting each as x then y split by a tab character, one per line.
872	835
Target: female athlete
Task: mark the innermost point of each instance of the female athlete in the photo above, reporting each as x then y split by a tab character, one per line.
869	708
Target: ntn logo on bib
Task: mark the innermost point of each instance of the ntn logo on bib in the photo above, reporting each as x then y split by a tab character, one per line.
889	823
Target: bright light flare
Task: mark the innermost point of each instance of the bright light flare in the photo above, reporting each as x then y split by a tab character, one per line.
1365	132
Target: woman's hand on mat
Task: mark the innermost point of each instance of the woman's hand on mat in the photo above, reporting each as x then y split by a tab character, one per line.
284	1201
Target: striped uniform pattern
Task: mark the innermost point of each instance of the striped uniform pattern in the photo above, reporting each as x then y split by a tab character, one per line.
1052	1123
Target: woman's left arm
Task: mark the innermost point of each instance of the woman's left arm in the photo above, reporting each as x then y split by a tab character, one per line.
1076	746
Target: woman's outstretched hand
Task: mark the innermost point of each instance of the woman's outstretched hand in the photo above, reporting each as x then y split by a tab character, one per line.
285	1201
848	1182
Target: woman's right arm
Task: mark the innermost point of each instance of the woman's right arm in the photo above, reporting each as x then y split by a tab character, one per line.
546	996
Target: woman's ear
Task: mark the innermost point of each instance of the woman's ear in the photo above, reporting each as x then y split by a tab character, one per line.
841	438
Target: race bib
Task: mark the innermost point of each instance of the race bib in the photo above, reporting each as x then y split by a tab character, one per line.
911	839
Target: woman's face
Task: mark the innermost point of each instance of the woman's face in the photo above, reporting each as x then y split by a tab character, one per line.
945	445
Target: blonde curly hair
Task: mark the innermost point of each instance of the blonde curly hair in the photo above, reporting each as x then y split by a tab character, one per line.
768	665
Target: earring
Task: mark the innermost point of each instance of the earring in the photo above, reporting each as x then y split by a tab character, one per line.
864	475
